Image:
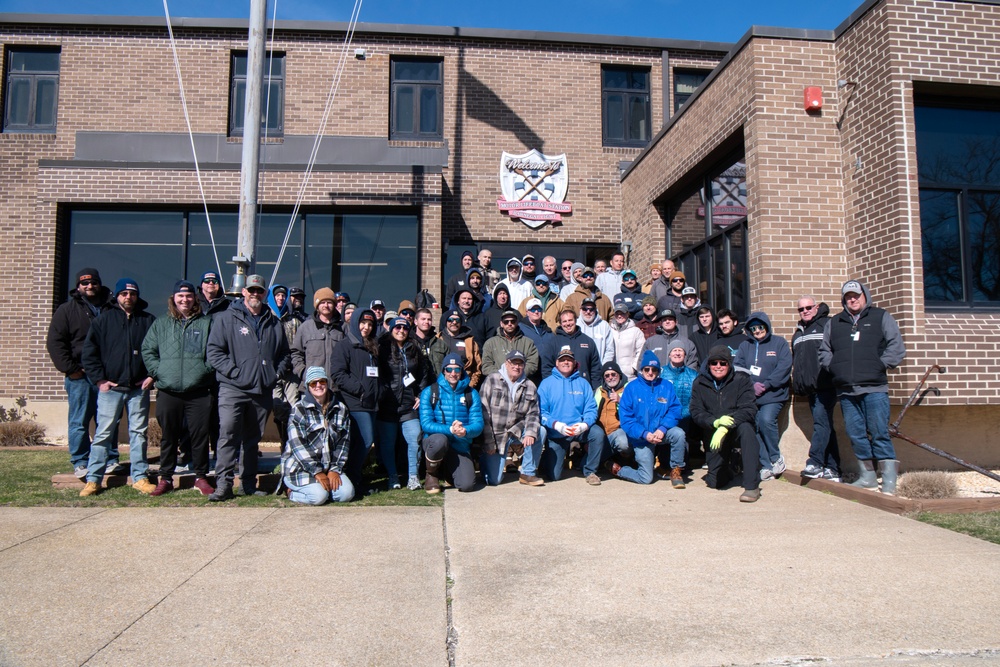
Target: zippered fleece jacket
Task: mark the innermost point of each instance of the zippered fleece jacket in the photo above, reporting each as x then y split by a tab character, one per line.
174	352
113	349
452	405
243	357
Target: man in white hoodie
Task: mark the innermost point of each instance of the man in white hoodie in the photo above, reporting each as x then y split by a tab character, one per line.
517	286
590	323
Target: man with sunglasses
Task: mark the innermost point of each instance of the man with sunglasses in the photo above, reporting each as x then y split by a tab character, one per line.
672	300
723	406
507	338
813	382
458	336
211	296
528	269
586	289
248	349
67	332
859	346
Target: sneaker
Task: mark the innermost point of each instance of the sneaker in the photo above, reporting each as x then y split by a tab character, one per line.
163	486
260	494
396	486
204	486
766	474
80	472
676	479
779	466
612	467
224	492
812	471
750	496
181	468
144	486
831	475
593	479
114	468
531	480
413	483
90	489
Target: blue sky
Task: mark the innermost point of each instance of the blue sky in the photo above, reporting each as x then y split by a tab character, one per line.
716	20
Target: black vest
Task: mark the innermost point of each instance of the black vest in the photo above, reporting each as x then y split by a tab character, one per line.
857	362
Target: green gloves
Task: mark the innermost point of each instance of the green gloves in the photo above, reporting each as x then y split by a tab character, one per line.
718	437
724	420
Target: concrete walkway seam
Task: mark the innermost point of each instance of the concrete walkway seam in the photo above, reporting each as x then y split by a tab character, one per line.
65	525
451	639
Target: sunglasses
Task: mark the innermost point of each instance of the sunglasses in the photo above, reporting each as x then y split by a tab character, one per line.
407	313
317	383
454	320
757	327
95	283
210	281
805	308
255	290
588	308
650	369
718	364
401	326
676	280
528	262
611	374
509	320
453	369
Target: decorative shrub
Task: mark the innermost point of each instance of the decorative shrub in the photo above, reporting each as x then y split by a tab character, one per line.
927	485
21	433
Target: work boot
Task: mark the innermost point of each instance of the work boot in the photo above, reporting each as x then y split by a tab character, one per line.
866	478
676	478
222	493
889	468
431	484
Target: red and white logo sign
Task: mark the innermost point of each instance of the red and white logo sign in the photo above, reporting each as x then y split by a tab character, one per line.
534	187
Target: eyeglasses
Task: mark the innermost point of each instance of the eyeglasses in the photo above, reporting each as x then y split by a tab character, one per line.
210	281
317	383
676	280
803	309
95	283
611	374
756	327
718	364
851	296
453	369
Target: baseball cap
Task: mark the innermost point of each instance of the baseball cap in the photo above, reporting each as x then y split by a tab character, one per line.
689	290
515	355
666	312
566	351
256	280
852	286
532	303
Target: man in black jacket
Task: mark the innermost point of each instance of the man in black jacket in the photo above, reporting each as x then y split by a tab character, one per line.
67	331
249	351
584	349
112	357
813	382
724	406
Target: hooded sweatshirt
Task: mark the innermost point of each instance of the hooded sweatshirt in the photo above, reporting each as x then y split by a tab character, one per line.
519	289
600	331
567	400
356	370
464	344
628	339
768	361
570	287
732	395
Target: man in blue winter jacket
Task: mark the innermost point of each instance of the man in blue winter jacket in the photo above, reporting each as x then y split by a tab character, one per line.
568	409
649	412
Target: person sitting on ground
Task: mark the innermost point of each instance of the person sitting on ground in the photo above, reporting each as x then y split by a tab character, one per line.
723	406
511	422
451	416
682	377
312	466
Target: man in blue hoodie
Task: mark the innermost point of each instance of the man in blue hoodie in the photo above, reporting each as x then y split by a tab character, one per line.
649	412
767	358
568	411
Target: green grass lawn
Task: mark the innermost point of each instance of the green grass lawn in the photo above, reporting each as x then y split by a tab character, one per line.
26	481
984	525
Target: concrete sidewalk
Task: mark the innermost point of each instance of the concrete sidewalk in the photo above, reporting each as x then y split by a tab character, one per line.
562	574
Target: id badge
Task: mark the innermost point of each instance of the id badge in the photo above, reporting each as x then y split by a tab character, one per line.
856	336
371	371
408	379
755	370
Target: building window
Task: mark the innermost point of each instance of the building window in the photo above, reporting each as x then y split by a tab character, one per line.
31	92
625	106
958	158
368	255
686	81
417	104
272	105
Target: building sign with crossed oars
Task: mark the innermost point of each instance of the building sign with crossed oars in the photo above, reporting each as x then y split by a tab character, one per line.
534	187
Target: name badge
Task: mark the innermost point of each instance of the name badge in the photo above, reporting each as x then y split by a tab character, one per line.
408	379
755	370
371	371
460	344
856	336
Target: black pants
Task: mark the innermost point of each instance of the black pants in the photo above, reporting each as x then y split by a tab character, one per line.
454	464
173	412
719	473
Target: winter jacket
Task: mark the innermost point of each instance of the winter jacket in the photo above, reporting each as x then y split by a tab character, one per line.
400	395
648	406
661	343
584	350
607	408
489	320
628	339
244	357
711	399
600	331
314	343
465	346
509	409
858	354
452	405
212	308
568	400
772	356
660	287
174	352
705	340
69	327
552	305
682	379
113	349
357	373
646	325
496	349
519	289
668	300
318	440
610	282
601	301
433	348
807	375
687	319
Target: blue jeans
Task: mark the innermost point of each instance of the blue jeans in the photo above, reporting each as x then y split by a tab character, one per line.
315	494
616	440
866	418
492	465
82	398
387	448
135	401
767	433
645	458
823	449
554	457
411	433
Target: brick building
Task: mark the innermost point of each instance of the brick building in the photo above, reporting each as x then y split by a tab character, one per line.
757	198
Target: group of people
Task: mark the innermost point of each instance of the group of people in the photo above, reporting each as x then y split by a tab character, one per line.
526	371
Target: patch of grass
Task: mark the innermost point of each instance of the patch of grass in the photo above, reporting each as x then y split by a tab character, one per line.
984	525
26	481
